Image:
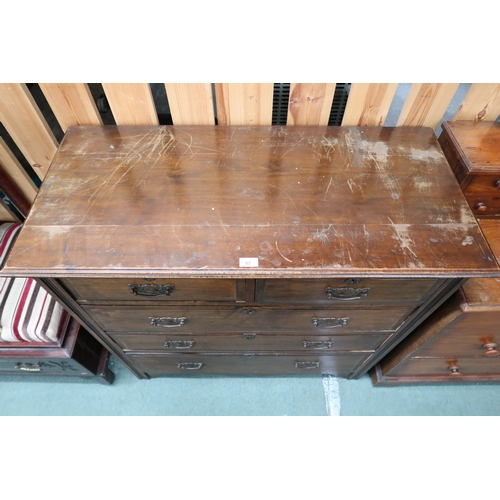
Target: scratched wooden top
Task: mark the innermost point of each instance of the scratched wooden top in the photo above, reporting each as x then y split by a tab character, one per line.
478	142
302	201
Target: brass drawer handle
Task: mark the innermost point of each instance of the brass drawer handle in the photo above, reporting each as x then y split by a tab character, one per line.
179	344
168	322
329	322
29	367
346	293
189	366
491	349
151	290
307	365
313	344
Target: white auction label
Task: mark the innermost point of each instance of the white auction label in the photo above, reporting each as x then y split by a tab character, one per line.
249	262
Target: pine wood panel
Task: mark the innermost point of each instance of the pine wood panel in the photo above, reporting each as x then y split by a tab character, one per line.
426	104
71	103
244	103
191	103
26	125
482	103
131	103
368	104
310	103
16	171
5	214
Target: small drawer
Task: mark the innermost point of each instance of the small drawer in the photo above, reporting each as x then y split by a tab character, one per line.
159	364
454	368
156	289
205	319
345	291
248	341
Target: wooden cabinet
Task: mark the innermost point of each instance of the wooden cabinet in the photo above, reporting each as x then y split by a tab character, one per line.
251	250
473	151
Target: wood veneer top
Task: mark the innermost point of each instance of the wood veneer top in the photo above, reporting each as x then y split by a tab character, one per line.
306	201
478	143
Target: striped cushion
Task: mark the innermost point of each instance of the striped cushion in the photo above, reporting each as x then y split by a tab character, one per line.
8	233
28	313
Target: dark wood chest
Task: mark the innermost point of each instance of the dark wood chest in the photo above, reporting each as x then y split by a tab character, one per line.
251	250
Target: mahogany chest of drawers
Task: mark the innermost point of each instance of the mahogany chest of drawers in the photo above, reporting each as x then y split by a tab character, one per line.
251	250
473	151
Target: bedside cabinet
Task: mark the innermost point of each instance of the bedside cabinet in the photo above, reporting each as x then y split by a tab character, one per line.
473	152
251	250
460	342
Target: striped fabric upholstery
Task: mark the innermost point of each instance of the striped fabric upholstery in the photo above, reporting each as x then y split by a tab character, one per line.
27	312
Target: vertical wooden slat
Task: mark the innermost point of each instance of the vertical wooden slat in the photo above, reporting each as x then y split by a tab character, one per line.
27	126
426	104
191	103
131	103
71	103
368	104
5	213
244	103
310	103
16	171
482	103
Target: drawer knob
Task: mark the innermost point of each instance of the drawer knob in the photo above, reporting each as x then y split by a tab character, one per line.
313	344
481	207
497	184
329	322
454	369
179	344
307	365
151	290
346	293
168	322
29	367
189	366
491	349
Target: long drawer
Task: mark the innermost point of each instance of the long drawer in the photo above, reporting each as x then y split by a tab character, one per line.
247	342
160	289
348	291
341	365
454	367
205	319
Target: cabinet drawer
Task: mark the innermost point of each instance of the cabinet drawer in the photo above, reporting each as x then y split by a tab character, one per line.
348	292
248	341
205	319
447	366
160	289
160	364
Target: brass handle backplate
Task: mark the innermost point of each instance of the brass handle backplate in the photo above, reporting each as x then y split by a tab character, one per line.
168	322
313	344
329	322
346	293
151	290
180	344
189	366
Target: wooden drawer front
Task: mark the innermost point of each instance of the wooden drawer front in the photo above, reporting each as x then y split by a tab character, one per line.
41	366
97	289
346	292
248	341
341	365
447	366
201	319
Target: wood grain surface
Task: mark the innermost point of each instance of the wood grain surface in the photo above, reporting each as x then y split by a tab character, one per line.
368	104
308	201
191	103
